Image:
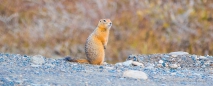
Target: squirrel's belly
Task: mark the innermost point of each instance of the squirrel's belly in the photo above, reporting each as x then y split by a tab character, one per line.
94	51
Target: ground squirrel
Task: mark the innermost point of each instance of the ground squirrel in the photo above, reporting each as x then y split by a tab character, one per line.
96	44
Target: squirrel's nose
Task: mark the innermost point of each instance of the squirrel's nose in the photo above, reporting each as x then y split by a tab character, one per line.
110	23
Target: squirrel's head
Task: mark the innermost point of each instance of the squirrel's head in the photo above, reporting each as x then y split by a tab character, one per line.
105	23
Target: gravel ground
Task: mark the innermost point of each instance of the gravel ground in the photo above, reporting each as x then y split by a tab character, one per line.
172	69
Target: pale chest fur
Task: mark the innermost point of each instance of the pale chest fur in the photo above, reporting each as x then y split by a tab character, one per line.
94	47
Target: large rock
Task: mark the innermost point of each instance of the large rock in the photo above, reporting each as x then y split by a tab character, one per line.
135	74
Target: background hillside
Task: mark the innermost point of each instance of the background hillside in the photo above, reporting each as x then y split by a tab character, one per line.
58	28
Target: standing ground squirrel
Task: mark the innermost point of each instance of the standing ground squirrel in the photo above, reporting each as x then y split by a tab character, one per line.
96	43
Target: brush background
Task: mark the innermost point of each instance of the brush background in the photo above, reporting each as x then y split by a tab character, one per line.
58	28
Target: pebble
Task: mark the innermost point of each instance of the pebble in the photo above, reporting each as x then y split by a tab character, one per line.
178	53
38	60
165	64
127	63
109	68
173	66
194	58
118	64
105	63
101	67
166	58
203	58
50	65
160	61
174	55
203	66
173	74
135	74
137	64
179	68
112	71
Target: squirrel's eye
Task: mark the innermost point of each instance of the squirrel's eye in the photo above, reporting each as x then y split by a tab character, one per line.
99	21
104	20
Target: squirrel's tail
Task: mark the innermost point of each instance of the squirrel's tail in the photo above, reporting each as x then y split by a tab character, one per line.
76	60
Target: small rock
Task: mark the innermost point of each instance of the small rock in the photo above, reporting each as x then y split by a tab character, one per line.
112	71
174	55
118	64
194	58
105	63
101	67
210	57
173	74
203	58
165	64
173	66
160	61
109	68
63	70
33	65
203	66
207	63
137	64
166	58
127	63
179	67
37	60
178	53
50	65
135	74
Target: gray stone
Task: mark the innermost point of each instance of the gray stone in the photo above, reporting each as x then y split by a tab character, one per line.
118	64
135	74
203	58
137	64
160	61
127	63
178	53
173	66
37	60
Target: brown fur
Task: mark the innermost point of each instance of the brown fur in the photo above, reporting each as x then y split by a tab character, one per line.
96	43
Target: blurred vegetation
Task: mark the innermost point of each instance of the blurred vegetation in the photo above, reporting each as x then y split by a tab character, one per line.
58	28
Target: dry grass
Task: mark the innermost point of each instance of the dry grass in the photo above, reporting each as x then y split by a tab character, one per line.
59	28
